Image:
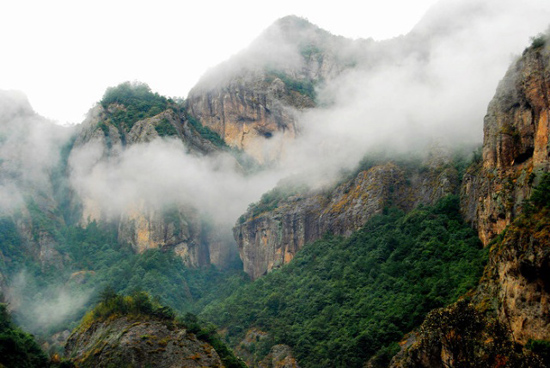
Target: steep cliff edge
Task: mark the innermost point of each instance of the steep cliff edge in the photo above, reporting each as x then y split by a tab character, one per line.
30	154
515	148
135	331
130	115
253	99
287	218
505	320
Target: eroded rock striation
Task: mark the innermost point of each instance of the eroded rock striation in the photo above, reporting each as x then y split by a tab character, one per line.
504	196
253	100
515	146
273	230
125	341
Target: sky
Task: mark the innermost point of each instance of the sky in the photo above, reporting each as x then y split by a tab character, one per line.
64	54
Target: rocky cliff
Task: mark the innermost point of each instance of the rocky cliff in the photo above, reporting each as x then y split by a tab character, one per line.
113	127
515	148
504	321
273	230
30	155
252	101
125	342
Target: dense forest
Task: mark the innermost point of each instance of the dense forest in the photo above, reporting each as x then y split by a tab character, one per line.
342	300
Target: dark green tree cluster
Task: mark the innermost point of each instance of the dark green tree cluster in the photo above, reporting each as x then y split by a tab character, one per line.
137	101
206	133
139	303
303	86
165	129
341	301
12	251
18	348
158	272
98	260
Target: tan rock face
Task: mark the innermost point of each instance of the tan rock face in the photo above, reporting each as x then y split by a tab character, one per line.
522	270
270	239
515	147
125	342
253	100
511	304
142	225
254	113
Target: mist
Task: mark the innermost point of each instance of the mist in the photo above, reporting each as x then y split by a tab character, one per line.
431	86
39	308
29	150
162	173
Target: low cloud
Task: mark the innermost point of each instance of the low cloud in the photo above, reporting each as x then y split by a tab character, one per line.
30	148
430	86
40	308
160	174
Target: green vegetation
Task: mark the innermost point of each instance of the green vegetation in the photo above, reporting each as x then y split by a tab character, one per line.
140	305
129	102
538	42
304	87
208	333
137	304
206	132
17	348
160	273
270	200
341	301
98	260
541	348
136	102
165	128
12	251
540	198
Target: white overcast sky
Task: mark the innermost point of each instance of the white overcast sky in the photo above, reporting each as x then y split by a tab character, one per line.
64	54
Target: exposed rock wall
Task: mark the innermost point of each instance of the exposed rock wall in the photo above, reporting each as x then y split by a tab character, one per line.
252	101
270	239
492	325
515	147
125	342
143	225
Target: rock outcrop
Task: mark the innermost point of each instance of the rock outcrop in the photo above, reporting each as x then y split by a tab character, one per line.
124	341
30	155
515	148
494	324
252	100
273	230
103	138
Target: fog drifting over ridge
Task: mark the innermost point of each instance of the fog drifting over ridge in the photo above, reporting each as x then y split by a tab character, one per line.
430	86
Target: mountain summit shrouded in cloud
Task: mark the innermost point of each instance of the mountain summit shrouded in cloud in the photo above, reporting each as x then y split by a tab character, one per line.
174	176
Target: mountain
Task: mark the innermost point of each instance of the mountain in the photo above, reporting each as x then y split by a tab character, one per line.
366	193
135	331
253	100
290	216
130	115
505	196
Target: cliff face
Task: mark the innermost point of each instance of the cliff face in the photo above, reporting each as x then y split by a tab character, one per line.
515	148
270	237
30	148
125	342
141	224
252	100
494	323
